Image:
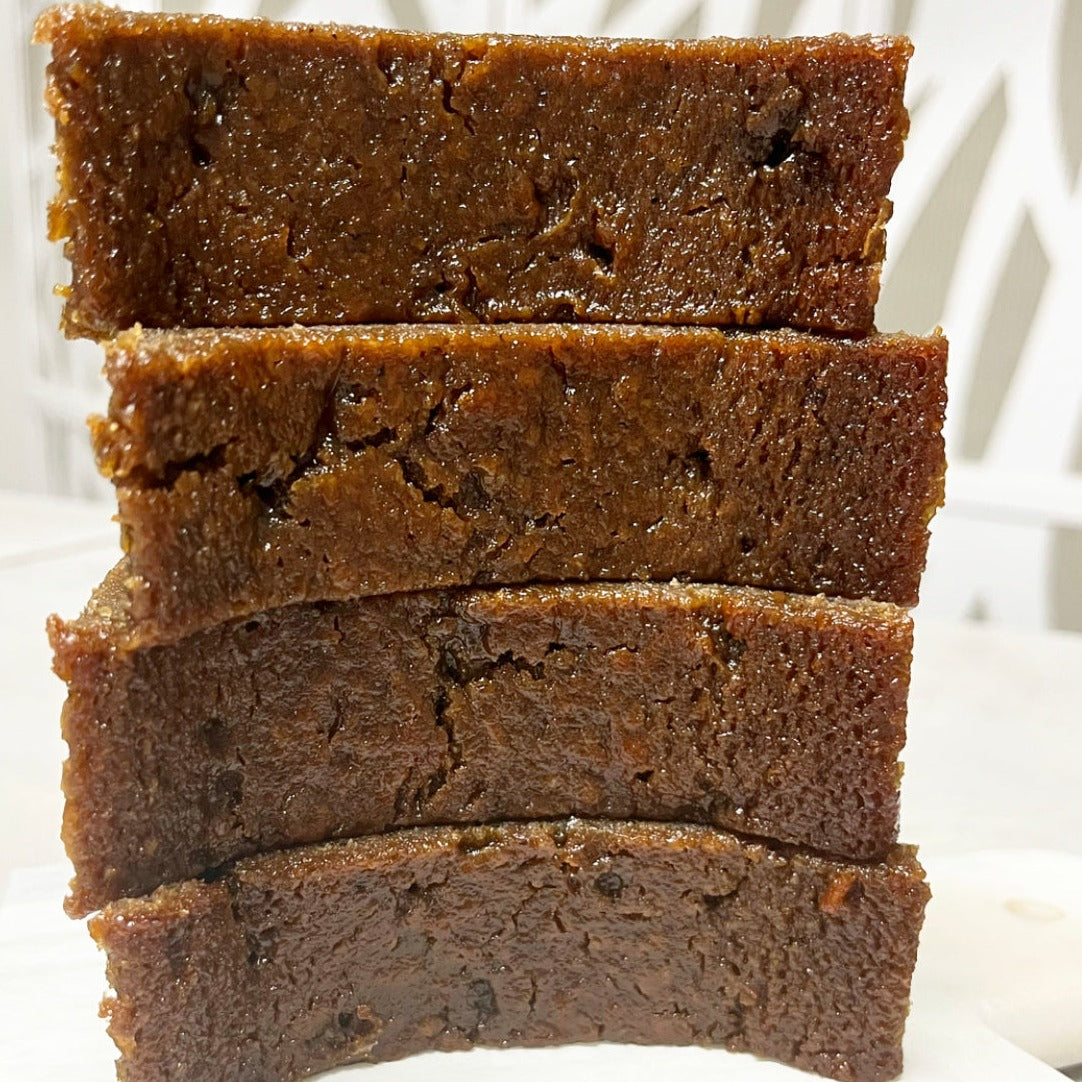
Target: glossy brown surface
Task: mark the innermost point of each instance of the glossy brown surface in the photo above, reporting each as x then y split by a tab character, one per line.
259	468
216	172
771	714
517	935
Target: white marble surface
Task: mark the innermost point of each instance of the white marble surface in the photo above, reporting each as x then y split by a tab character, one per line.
993	793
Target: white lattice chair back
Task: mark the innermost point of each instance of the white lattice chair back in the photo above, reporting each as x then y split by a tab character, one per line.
986	240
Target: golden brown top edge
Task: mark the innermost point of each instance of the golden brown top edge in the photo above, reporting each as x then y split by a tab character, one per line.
190	340
140	353
198	899
306	862
309	863
820	609
105	625
101	19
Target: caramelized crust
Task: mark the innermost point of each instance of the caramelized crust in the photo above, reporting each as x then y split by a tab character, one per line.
260	468
533	934
222	172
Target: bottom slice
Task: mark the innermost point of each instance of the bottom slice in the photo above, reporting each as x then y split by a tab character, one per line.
521	934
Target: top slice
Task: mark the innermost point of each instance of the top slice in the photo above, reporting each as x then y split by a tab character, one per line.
222	172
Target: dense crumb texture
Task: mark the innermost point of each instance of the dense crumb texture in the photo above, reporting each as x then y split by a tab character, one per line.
263	467
534	934
218	172
774	715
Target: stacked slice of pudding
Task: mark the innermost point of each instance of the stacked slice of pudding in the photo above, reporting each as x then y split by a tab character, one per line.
529	665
